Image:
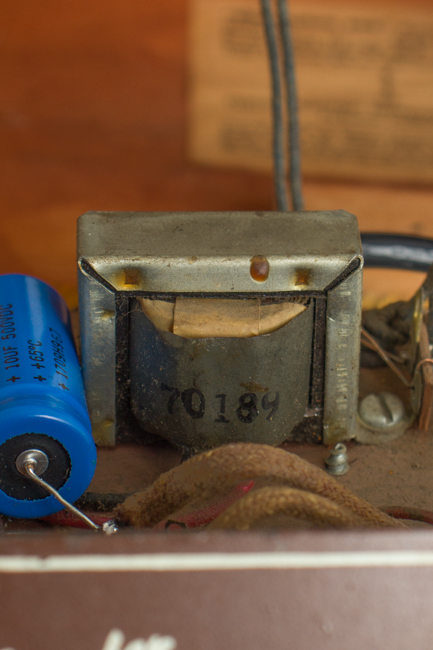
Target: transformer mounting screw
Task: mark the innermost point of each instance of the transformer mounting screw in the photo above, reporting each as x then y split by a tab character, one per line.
381	411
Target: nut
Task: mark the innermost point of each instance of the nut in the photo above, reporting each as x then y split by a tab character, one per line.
337	463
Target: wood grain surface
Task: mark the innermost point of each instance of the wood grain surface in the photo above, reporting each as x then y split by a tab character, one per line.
93	115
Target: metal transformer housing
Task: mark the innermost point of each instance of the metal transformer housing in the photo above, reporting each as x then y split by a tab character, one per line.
299	382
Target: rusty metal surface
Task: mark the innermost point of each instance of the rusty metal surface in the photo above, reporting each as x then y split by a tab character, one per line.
324	590
98	343
343	327
314	254
212	251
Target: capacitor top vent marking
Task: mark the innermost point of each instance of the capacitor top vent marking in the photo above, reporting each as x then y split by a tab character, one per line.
42	401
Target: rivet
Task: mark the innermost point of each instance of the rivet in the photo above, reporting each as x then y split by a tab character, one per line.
302	277
131	277
259	268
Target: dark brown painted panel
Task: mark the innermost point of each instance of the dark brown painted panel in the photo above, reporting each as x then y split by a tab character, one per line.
305	608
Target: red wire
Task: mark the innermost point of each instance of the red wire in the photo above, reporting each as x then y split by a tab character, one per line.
65	518
414	514
194	519
204	516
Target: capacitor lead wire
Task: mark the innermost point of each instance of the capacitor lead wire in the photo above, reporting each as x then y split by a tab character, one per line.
29	466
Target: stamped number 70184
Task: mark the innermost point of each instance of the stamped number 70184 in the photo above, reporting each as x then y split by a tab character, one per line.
194	403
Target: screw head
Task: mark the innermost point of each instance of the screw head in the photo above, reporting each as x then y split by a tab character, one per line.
381	411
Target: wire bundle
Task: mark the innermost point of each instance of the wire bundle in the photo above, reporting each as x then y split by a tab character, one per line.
293	487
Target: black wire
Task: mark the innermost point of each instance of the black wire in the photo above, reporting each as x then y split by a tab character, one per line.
277	108
292	107
380	250
391	251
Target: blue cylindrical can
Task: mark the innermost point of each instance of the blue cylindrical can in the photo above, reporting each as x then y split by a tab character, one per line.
42	401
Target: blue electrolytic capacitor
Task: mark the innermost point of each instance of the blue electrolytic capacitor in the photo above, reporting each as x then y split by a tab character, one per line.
42	402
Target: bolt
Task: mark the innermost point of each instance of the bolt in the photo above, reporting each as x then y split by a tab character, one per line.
381	411
337	463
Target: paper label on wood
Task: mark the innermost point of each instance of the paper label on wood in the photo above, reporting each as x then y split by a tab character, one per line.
365	80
